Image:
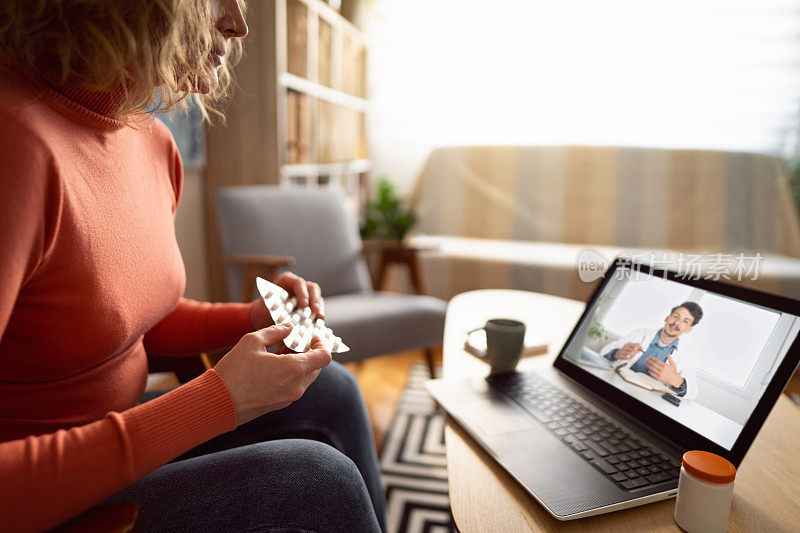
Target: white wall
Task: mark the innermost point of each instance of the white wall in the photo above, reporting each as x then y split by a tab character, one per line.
706	74
731	338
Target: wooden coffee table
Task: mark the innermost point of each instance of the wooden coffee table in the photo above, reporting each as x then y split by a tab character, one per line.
485	498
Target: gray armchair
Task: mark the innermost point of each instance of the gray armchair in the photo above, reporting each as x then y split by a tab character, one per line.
313	228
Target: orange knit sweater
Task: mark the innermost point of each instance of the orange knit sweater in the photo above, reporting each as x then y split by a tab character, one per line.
90	278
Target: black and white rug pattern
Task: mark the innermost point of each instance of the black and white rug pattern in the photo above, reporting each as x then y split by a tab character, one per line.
413	463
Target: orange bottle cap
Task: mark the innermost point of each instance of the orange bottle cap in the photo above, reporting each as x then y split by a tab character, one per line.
709	467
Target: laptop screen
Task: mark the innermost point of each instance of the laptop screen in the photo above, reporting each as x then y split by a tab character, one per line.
699	357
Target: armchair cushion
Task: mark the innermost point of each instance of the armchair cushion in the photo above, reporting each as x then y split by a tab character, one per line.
315	227
312	226
383	323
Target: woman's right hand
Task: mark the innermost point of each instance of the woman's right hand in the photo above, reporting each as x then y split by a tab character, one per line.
260	381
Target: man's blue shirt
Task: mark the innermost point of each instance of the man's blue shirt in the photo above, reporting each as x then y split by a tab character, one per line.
658	351
654	350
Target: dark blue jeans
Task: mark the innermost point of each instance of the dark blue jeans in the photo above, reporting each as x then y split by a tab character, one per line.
309	467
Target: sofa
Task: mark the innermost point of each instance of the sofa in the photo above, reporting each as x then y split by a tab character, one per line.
520	216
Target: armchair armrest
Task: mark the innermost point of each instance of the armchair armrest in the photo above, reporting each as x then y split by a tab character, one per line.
254	265
259	260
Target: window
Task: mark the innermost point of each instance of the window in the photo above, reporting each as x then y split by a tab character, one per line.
715	74
731	338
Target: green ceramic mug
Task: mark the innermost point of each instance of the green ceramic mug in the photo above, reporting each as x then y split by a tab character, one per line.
505	338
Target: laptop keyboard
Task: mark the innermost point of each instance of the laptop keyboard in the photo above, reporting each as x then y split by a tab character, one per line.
623	458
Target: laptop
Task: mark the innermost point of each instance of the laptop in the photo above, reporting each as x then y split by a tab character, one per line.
585	438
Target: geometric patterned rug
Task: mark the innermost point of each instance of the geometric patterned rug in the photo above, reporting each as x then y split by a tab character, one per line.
413	463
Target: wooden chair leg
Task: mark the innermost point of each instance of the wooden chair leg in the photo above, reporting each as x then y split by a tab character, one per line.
431	364
415	273
380	281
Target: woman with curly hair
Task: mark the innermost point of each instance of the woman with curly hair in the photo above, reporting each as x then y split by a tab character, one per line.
91	279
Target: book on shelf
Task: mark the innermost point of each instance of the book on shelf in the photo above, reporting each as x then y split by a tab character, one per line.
297	127
325	48
297	37
353	56
327	135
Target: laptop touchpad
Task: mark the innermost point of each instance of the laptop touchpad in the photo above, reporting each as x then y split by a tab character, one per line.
492	416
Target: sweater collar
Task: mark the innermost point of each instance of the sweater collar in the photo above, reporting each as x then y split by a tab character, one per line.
84	106
99	102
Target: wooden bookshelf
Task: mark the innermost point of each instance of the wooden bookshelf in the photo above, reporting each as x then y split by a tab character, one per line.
298	116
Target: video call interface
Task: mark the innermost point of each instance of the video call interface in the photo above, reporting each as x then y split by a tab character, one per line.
701	358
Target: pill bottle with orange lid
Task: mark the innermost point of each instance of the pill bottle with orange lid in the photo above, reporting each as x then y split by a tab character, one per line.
705	492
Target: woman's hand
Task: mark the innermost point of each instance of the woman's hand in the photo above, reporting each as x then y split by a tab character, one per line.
308	294
260	381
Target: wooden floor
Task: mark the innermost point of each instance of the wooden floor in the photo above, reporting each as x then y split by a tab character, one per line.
382	380
794	384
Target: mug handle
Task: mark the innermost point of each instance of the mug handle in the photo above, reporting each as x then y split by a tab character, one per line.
480	354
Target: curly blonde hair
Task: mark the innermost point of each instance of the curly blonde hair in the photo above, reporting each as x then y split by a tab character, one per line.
156	50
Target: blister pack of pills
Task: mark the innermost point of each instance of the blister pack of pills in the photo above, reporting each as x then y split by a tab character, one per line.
305	324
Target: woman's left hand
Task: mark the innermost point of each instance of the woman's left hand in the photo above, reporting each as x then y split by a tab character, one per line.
308	294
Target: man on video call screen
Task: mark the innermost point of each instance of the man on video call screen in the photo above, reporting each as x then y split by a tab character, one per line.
661	352
701	358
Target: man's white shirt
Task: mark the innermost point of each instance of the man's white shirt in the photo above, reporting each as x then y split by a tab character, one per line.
684	355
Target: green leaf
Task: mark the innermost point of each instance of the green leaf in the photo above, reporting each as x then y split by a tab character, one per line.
385	217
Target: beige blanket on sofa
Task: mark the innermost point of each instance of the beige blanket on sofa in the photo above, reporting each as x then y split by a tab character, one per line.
516	217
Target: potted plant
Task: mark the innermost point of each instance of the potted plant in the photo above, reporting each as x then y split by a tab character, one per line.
597	336
387	218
